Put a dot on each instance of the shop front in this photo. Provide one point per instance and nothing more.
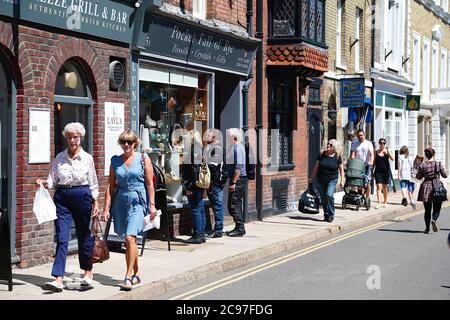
(55, 58)
(188, 77)
(391, 117)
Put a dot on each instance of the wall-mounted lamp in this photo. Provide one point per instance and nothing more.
(138, 3)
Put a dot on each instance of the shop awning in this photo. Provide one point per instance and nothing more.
(364, 114)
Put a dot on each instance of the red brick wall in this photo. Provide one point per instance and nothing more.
(298, 178)
(231, 11)
(40, 56)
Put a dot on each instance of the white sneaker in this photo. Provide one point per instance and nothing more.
(377, 206)
(386, 205)
(86, 281)
(54, 286)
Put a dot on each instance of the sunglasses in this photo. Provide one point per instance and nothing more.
(329, 145)
(124, 142)
(382, 142)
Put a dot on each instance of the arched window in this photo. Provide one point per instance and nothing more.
(73, 103)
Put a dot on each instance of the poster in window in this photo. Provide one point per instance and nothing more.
(114, 126)
(39, 136)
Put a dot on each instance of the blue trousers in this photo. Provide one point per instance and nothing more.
(215, 196)
(327, 189)
(76, 204)
(198, 211)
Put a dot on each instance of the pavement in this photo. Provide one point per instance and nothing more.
(164, 271)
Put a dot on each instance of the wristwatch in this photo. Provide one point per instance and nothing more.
(232, 183)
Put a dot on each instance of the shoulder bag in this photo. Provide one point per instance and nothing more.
(438, 192)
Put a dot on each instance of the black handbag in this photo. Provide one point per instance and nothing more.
(438, 192)
(309, 202)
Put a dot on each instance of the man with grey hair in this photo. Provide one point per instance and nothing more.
(237, 176)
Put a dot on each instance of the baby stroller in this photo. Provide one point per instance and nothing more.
(356, 184)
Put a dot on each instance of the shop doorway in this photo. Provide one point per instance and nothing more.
(72, 103)
(7, 143)
(314, 131)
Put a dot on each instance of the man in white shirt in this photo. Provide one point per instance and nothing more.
(363, 149)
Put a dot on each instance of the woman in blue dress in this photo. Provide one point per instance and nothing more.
(130, 176)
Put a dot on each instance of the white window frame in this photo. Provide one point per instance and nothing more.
(416, 61)
(359, 16)
(339, 37)
(443, 69)
(426, 69)
(199, 9)
(394, 31)
(434, 65)
(445, 5)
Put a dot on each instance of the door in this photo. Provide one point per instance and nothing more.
(314, 136)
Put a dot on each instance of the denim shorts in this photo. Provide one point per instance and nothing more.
(406, 184)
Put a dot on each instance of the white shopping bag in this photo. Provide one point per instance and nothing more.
(155, 223)
(43, 207)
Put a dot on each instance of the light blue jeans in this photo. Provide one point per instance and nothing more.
(327, 189)
(198, 211)
(215, 196)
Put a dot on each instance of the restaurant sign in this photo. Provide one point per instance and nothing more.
(352, 92)
(102, 18)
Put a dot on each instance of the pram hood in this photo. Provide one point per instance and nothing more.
(356, 168)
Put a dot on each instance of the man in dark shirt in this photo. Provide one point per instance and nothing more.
(238, 181)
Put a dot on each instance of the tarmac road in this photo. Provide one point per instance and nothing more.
(389, 260)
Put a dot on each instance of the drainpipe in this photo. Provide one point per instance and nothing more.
(259, 105)
(372, 90)
(245, 88)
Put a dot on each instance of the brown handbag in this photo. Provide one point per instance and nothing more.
(100, 252)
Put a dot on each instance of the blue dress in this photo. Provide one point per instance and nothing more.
(131, 198)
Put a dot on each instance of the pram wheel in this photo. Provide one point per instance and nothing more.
(344, 204)
(367, 204)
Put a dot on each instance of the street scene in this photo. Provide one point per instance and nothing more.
(224, 150)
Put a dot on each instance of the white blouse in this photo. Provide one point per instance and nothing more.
(78, 171)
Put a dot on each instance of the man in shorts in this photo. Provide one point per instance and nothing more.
(363, 149)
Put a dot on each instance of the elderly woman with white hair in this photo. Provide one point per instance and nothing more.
(73, 176)
(327, 167)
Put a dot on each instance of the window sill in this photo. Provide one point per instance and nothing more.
(341, 67)
(281, 167)
(359, 71)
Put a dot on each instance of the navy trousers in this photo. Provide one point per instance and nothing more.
(74, 203)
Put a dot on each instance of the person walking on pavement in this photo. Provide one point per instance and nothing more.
(382, 171)
(73, 175)
(327, 167)
(191, 170)
(363, 149)
(237, 176)
(214, 159)
(414, 181)
(130, 182)
(431, 171)
(405, 166)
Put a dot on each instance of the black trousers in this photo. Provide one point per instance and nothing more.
(235, 203)
(436, 207)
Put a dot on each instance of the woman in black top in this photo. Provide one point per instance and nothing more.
(327, 167)
(382, 171)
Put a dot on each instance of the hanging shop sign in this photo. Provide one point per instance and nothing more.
(352, 92)
(107, 19)
(164, 37)
(412, 102)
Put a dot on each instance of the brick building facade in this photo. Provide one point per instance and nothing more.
(348, 37)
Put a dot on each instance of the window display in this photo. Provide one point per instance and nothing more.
(164, 108)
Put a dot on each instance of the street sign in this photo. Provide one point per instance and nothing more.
(352, 92)
(412, 102)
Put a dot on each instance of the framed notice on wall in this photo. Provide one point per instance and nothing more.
(39, 136)
(114, 126)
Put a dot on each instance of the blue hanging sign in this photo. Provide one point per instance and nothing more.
(352, 92)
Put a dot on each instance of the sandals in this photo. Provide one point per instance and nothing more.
(127, 284)
(135, 279)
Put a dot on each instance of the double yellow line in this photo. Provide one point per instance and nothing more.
(278, 261)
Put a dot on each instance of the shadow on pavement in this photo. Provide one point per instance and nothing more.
(31, 279)
(304, 218)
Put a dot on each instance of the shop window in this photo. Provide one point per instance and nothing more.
(282, 97)
(171, 100)
(73, 103)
